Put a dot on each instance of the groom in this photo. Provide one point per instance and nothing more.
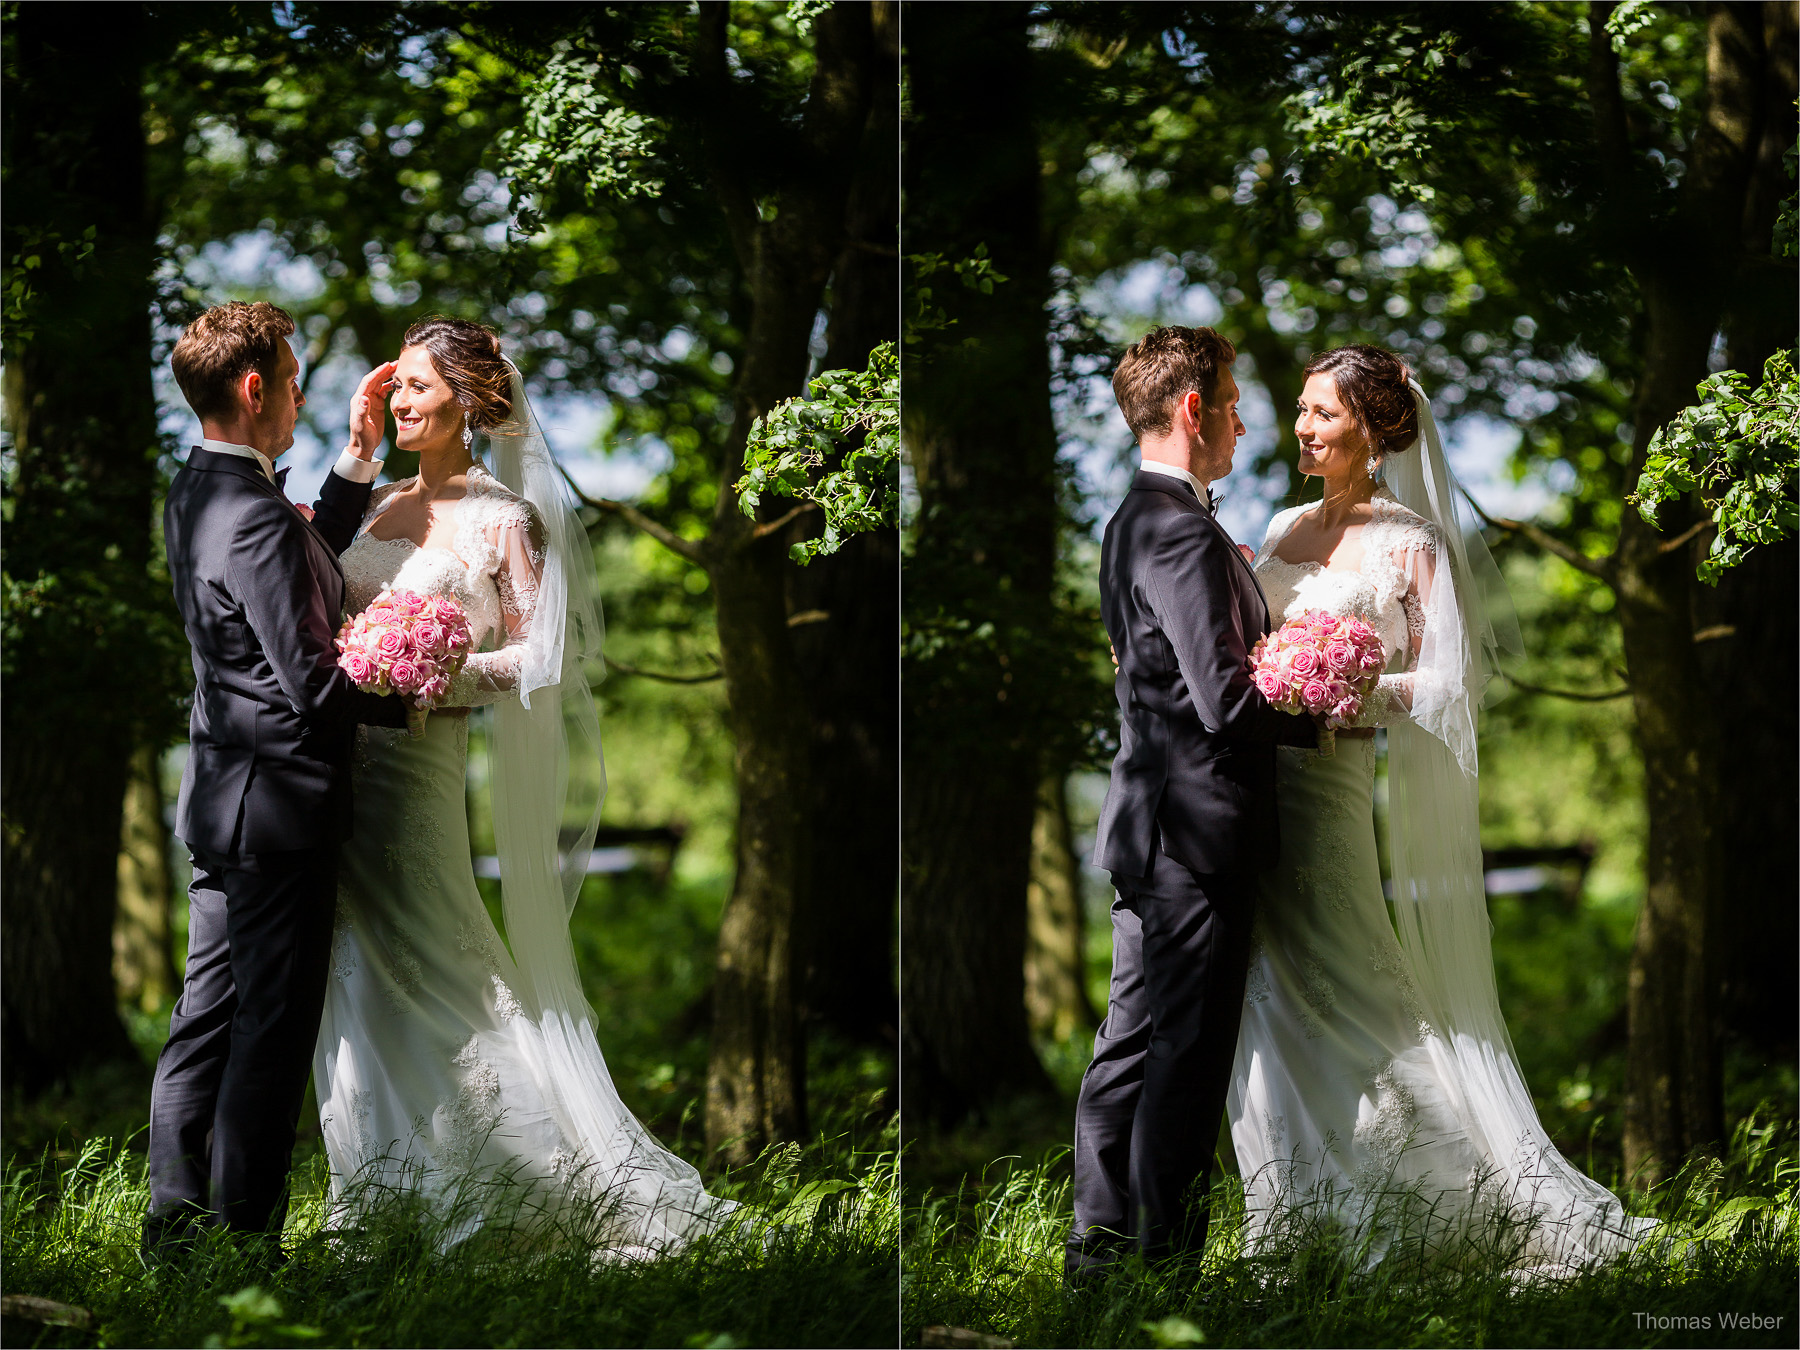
(1189, 817)
(265, 797)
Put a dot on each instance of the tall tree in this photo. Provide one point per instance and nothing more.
(81, 601)
(980, 570)
(765, 132)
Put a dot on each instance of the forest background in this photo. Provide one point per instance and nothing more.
(1565, 217)
(675, 216)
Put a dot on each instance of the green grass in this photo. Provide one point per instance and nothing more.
(818, 1270)
(814, 1265)
(987, 1257)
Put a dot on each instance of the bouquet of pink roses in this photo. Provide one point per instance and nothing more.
(407, 644)
(1319, 663)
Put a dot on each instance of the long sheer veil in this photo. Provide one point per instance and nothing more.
(1440, 903)
(549, 780)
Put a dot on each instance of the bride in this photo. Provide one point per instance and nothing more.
(449, 1067)
(1375, 1088)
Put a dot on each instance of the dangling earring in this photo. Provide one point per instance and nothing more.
(1374, 469)
(468, 436)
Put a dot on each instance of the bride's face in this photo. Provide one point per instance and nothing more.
(1331, 444)
(426, 413)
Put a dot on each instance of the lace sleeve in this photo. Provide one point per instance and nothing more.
(1392, 698)
(516, 552)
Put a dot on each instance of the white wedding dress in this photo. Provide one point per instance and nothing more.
(1357, 1102)
(434, 1078)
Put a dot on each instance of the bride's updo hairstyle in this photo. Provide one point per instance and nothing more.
(468, 356)
(1372, 383)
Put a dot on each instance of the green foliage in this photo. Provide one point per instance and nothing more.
(572, 124)
(814, 1265)
(1628, 18)
(1369, 108)
(19, 297)
(1740, 450)
(926, 315)
(989, 1258)
(851, 424)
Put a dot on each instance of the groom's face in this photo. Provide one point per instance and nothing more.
(1217, 428)
(274, 403)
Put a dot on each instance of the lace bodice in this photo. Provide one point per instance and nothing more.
(1387, 591)
(492, 571)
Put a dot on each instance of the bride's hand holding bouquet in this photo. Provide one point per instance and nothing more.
(407, 644)
(1320, 664)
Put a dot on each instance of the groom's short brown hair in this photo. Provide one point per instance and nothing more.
(222, 346)
(1162, 366)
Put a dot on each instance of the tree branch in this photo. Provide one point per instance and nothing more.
(1669, 546)
(1517, 683)
(663, 535)
(624, 669)
(1595, 567)
(768, 528)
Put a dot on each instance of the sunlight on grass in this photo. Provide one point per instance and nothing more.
(988, 1257)
(809, 1260)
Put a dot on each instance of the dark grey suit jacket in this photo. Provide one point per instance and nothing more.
(261, 594)
(1196, 761)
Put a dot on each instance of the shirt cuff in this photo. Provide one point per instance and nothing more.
(356, 470)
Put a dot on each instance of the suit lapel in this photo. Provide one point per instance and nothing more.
(1249, 571)
(207, 461)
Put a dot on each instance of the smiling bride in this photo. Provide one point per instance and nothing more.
(451, 1066)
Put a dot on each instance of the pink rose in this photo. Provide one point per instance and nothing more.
(1268, 684)
(1305, 662)
(391, 645)
(357, 665)
(434, 688)
(1340, 656)
(1371, 660)
(430, 636)
(1316, 694)
(405, 674)
(460, 639)
(1347, 708)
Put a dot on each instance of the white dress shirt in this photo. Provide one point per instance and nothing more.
(348, 465)
(1174, 471)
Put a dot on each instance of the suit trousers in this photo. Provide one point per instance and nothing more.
(1147, 1120)
(232, 1078)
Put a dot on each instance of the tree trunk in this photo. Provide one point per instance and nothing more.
(1674, 1074)
(81, 413)
(1674, 1087)
(983, 449)
(1056, 999)
(143, 960)
(846, 659)
(756, 1089)
(1755, 609)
